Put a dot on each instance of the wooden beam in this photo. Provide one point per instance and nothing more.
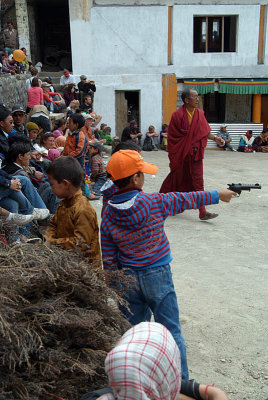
(169, 96)
(256, 117)
(170, 20)
(261, 34)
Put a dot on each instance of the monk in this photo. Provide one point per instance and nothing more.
(188, 132)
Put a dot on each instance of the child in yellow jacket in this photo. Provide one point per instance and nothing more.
(74, 224)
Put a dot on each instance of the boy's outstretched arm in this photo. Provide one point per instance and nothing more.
(177, 202)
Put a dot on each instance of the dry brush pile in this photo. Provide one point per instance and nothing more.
(58, 319)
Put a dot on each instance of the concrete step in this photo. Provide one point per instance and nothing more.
(50, 73)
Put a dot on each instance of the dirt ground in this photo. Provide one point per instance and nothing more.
(220, 274)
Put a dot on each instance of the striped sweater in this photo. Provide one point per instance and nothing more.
(132, 227)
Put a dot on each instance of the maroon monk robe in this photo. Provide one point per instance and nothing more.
(186, 146)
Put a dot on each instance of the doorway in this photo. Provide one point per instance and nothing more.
(214, 106)
(127, 108)
(51, 34)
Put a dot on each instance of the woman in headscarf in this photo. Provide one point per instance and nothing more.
(245, 144)
(53, 154)
(145, 364)
(260, 143)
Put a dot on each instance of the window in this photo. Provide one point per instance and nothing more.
(215, 34)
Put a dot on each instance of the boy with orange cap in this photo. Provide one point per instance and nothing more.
(133, 238)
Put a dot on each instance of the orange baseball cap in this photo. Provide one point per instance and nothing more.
(125, 163)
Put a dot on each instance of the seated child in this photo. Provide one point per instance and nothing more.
(133, 238)
(154, 137)
(76, 143)
(163, 137)
(33, 130)
(75, 221)
(98, 172)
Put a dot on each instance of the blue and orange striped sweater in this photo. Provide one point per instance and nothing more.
(132, 227)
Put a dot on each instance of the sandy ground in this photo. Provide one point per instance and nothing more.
(220, 274)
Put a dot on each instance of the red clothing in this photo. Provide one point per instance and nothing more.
(35, 96)
(186, 146)
(47, 98)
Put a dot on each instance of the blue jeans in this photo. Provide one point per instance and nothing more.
(154, 290)
(48, 196)
(99, 182)
(15, 201)
(30, 192)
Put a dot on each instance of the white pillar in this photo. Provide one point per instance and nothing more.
(23, 25)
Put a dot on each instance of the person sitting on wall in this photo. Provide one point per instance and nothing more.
(10, 64)
(70, 93)
(25, 64)
(48, 79)
(260, 143)
(4, 68)
(131, 132)
(57, 104)
(245, 144)
(87, 105)
(66, 79)
(34, 73)
(86, 87)
(224, 134)
(35, 95)
(73, 106)
(40, 116)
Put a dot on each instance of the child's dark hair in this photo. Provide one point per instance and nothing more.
(78, 119)
(128, 145)
(102, 126)
(107, 130)
(59, 122)
(66, 168)
(35, 82)
(164, 126)
(45, 137)
(4, 112)
(18, 137)
(16, 149)
(121, 183)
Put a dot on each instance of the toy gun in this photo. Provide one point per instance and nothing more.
(238, 187)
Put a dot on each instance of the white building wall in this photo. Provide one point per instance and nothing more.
(241, 64)
(125, 48)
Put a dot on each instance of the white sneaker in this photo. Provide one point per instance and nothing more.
(40, 213)
(19, 219)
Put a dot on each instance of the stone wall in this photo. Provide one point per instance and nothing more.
(13, 89)
(238, 108)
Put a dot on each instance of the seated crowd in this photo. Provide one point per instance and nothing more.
(30, 142)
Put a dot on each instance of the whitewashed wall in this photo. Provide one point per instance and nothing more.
(242, 63)
(125, 48)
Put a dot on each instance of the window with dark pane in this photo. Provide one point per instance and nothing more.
(214, 34)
